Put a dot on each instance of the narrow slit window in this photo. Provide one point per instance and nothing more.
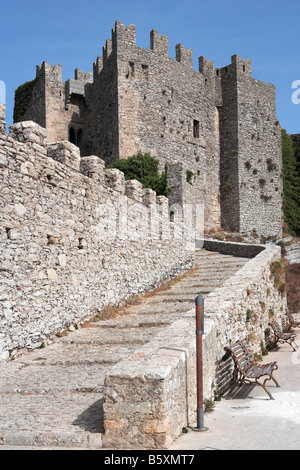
(145, 70)
(196, 129)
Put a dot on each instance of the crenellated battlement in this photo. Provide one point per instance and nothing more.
(49, 72)
(158, 43)
(185, 56)
(123, 41)
(123, 37)
(237, 66)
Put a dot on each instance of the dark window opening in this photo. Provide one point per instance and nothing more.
(131, 65)
(76, 136)
(8, 232)
(145, 70)
(72, 136)
(79, 137)
(196, 129)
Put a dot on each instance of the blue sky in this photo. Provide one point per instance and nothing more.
(72, 33)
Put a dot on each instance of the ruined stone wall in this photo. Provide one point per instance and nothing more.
(74, 238)
(148, 401)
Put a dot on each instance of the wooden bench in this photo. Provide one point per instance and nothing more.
(250, 370)
(293, 323)
(281, 337)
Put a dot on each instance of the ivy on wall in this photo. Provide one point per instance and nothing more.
(22, 97)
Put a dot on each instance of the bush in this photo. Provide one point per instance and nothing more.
(145, 169)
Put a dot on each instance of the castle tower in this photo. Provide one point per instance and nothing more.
(61, 107)
(251, 159)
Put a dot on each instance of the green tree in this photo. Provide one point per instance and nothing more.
(145, 169)
(291, 185)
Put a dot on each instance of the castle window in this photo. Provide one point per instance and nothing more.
(131, 65)
(145, 70)
(72, 136)
(76, 136)
(196, 129)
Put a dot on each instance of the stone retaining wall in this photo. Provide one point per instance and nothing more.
(150, 399)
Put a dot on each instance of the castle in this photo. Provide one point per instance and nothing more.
(220, 124)
(76, 237)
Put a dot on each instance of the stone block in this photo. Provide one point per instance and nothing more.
(115, 179)
(28, 131)
(93, 167)
(66, 153)
(134, 190)
(149, 196)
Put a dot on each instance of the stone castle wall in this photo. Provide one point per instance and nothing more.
(74, 238)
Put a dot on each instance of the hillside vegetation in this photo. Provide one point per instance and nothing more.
(291, 182)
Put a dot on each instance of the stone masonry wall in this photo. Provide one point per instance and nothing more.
(74, 238)
(167, 108)
(149, 400)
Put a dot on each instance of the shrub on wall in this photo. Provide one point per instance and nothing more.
(143, 168)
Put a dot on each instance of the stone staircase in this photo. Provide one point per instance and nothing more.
(53, 397)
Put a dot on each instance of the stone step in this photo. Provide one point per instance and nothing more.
(61, 419)
(110, 336)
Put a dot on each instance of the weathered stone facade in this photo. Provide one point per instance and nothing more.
(74, 238)
(220, 124)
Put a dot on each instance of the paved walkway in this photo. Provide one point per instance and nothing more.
(53, 397)
(250, 421)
